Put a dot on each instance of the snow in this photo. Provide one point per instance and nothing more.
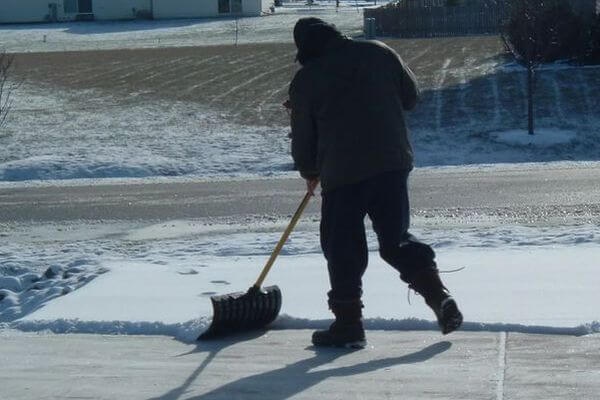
(162, 299)
(153, 139)
(183, 140)
(511, 280)
(542, 137)
(139, 279)
(180, 139)
(184, 32)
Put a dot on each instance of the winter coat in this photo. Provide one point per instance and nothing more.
(347, 113)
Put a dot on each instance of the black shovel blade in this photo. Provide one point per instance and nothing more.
(243, 311)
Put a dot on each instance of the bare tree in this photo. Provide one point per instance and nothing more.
(6, 87)
(532, 60)
(521, 39)
(541, 31)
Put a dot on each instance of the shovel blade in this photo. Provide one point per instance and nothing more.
(243, 311)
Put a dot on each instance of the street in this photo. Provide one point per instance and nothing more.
(531, 194)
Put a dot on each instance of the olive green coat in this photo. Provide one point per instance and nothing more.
(347, 114)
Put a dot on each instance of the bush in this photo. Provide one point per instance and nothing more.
(541, 31)
(592, 54)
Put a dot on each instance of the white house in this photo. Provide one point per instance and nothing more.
(208, 8)
(14, 11)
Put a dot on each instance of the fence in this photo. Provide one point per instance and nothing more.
(481, 17)
(438, 21)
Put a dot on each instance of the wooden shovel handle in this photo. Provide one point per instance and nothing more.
(283, 239)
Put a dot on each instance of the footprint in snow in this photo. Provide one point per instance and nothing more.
(188, 272)
(207, 294)
(221, 282)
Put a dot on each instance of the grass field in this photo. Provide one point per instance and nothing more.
(217, 109)
(461, 85)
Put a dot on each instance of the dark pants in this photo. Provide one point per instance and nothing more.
(384, 198)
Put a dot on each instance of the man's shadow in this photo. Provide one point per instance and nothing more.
(285, 382)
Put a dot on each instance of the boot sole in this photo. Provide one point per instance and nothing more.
(358, 344)
(451, 318)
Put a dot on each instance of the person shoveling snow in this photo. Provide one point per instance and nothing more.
(349, 135)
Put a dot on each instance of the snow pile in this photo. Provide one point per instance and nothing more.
(22, 294)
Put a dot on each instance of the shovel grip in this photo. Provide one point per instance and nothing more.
(283, 239)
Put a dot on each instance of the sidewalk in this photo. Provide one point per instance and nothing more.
(281, 365)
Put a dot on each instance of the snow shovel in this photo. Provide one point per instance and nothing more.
(256, 308)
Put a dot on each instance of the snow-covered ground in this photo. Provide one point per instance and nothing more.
(168, 33)
(157, 279)
(154, 139)
(137, 278)
(103, 138)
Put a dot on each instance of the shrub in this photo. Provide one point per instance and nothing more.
(542, 31)
(592, 54)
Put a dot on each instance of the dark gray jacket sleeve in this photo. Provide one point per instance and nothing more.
(304, 132)
(407, 84)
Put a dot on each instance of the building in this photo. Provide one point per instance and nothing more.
(19, 11)
(208, 8)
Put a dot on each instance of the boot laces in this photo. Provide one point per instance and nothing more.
(411, 288)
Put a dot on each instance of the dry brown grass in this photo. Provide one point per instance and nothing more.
(248, 82)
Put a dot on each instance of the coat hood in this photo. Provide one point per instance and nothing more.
(314, 38)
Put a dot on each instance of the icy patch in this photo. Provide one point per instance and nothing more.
(543, 137)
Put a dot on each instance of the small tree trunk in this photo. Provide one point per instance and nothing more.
(530, 72)
(6, 89)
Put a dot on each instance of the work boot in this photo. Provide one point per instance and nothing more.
(428, 284)
(347, 329)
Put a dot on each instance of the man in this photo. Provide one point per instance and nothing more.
(349, 134)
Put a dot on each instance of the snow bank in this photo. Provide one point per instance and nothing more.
(23, 294)
(77, 167)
